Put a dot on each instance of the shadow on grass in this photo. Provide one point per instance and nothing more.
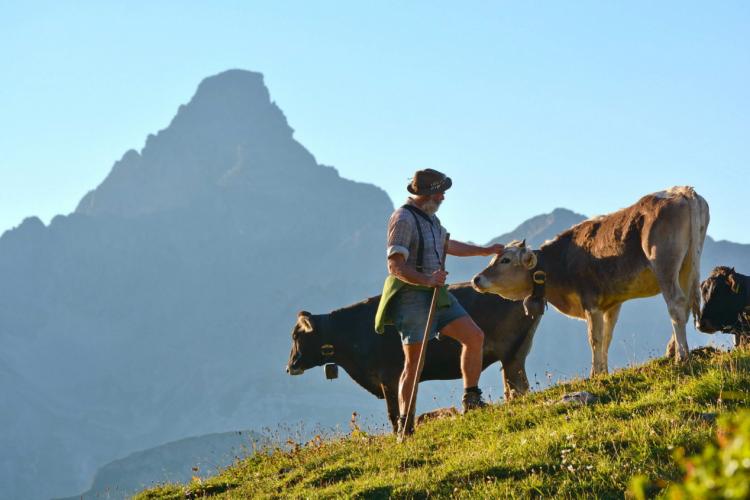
(375, 493)
(334, 475)
(495, 472)
(211, 489)
(412, 463)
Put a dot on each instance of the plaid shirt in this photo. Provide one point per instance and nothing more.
(404, 239)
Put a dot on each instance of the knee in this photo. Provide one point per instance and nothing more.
(475, 336)
(677, 303)
(678, 311)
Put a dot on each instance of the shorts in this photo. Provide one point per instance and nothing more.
(409, 310)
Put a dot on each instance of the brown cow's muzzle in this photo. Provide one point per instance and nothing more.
(479, 283)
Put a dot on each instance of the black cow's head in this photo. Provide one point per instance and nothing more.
(723, 295)
(306, 345)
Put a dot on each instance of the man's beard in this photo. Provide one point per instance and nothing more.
(430, 207)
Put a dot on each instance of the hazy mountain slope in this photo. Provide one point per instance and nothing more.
(162, 307)
(178, 461)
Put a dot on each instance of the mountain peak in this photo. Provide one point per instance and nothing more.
(542, 227)
(229, 133)
(232, 78)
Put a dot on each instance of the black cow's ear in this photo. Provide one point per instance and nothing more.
(304, 322)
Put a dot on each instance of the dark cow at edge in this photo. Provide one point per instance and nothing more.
(375, 361)
(726, 304)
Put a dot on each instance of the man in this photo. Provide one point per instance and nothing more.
(414, 253)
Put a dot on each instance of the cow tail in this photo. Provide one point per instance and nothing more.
(699, 218)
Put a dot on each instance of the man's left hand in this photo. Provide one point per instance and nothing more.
(496, 248)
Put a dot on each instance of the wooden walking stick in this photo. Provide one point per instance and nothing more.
(420, 364)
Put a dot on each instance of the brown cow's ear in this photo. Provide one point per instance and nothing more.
(733, 283)
(304, 322)
(528, 259)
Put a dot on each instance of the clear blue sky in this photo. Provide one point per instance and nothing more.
(527, 105)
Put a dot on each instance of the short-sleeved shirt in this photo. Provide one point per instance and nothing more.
(404, 239)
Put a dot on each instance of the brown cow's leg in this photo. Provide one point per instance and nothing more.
(671, 347)
(610, 319)
(595, 323)
(667, 248)
(678, 307)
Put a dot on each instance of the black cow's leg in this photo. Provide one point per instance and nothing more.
(515, 381)
(390, 393)
(741, 341)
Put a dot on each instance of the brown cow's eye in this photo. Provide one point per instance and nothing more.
(504, 260)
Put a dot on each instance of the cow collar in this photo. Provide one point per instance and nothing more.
(327, 349)
(539, 288)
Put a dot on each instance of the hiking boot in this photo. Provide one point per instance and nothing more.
(400, 434)
(472, 400)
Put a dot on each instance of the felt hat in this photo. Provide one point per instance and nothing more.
(429, 181)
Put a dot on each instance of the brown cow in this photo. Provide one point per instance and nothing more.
(588, 271)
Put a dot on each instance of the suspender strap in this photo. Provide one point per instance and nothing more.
(420, 247)
(415, 211)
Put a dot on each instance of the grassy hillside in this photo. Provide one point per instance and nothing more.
(645, 419)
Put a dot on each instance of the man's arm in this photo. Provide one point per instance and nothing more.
(398, 268)
(460, 249)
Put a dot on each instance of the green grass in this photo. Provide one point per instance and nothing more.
(645, 417)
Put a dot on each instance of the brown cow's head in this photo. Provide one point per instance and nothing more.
(306, 345)
(508, 273)
(723, 295)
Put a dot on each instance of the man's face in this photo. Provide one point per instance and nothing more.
(432, 203)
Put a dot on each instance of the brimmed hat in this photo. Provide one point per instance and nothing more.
(429, 181)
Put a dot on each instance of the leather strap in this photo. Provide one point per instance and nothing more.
(420, 248)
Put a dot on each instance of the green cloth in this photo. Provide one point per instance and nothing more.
(391, 286)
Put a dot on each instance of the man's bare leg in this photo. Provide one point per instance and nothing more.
(471, 338)
(408, 376)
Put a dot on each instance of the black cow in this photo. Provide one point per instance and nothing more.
(347, 337)
(726, 304)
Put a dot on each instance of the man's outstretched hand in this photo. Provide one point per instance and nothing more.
(496, 248)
